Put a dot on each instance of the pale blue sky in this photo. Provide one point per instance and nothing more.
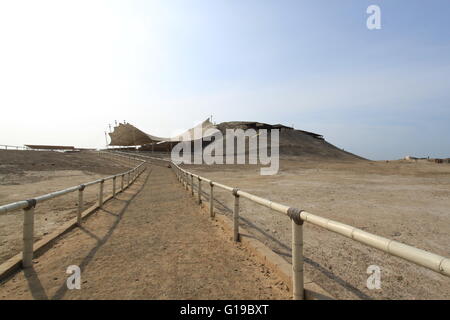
(68, 68)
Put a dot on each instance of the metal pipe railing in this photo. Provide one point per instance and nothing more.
(9, 147)
(28, 207)
(420, 257)
(236, 215)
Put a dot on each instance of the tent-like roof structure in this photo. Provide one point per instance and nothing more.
(126, 134)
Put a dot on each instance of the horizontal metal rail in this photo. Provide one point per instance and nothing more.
(127, 155)
(24, 203)
(420, 257)
(9, 147)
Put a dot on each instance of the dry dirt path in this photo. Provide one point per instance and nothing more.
(152, 242)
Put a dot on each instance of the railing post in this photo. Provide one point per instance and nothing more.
(199, 200)
(114, 186)
(186, 181)
(192, 185)
(297, 254)
(211, 199)
(28, 234)
(100, 194)
(80, 204)
(236, 215)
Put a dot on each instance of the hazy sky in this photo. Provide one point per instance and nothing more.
(69, 68)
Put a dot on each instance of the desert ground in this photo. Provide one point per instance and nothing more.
(401, 200)
(405, 201)
(27, 174)
(138, 246)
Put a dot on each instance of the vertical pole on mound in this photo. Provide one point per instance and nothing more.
(192, 185)
(211, 199)
(114, 186)
(236, 215)
(80, 204)
(28, 234)
(297, 254)
(100, 194)
(199, 200)
(121, 182)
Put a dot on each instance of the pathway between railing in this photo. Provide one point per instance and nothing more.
(28, 206)
(420, 257)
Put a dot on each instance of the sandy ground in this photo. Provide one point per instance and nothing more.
(405, 201)
(26, 174)
(152, 242)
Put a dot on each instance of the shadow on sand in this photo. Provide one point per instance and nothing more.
(35, 285)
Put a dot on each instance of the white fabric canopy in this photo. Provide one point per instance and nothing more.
(128, 135)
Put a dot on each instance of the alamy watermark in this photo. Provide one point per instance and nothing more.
(238, 146)
(374, 280)
(374, 20)
(74, 280)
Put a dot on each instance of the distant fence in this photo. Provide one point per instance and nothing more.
(9, 147)
(28, 206)
(43, 148)
(34, 148)
(420, 257)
